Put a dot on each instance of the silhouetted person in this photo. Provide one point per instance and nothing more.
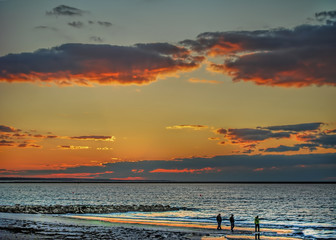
(232, 222)
(219, 221)
(256, 224)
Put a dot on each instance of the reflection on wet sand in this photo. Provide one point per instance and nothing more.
(240, 232)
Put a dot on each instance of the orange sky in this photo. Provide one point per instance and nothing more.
(82, 91)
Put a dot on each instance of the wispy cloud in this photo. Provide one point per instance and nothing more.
(192, 127)
(71, 147)
(46, 28)
(64, 10)
(12, 137)
(76, 24)
(104, 23)
(95, 138)
(186, 170)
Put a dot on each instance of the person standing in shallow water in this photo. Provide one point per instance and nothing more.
(219, 221)
(256, 224)
(232, 222)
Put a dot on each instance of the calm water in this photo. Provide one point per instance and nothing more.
(309, 209)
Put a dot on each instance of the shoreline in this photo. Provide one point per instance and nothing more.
(55, 226)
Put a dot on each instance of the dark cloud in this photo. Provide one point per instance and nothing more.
(5, 143)
(26, 145)
(328, 16)
(297, 57)
(308, 167)
(84, 64)
(221, 131)
(105, 24)
(63, 10)
(283, 148)
(326, 141)
(4, 128)
(243, 135)
(164, 48)
(76, 24)
(297, 127)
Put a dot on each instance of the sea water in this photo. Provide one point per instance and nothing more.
(308, 209)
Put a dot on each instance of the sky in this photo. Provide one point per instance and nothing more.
(216, 90)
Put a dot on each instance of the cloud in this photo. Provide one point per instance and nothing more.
(310, 133)
(76, 24)
(26, 145)
(245, 135)
(4, 128)
(46, 28)
(13, 137)
(71, 175)
(86, 64)
(5, 143)
(298, 57)
(71, 147)
(297, 127)
(104, 24)
(185, 170)
(95, 138)
(129, 179)
(283, 148)
(296, 147)
(63, 10)
(318, 167)
(192, 127)
(328, 16)
(324, 139)
(258, 169)
(327, 141)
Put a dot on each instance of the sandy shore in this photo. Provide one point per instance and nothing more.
(42, 226)
(28, 226)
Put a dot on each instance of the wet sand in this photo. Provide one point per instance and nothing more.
(41, 226)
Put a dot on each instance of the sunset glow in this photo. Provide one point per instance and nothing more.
(223, 91)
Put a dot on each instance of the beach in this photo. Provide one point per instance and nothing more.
(43, 226)
(165, 211)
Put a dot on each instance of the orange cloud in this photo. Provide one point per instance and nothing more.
(129, 178)
(258, 169)
(70, 147)
(87, 64)
(295, 57)
(193, 127)
(95, 138)
(186, 170)
(69, 175)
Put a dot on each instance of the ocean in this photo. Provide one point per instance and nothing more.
(308, 209)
